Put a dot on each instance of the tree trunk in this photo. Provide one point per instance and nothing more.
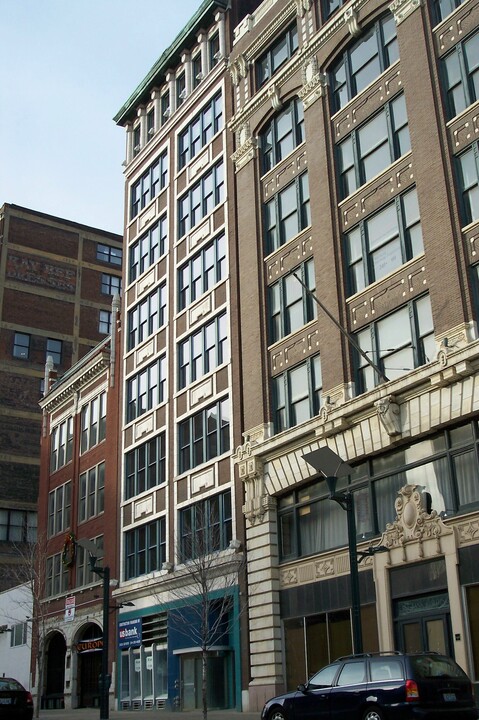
(204, 683)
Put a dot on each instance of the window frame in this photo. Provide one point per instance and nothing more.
(148, 185)
(369, 339)
(469, 208)
(147, 316)
(93, 422)
(200, 273)
(147, 386)
(145, 466)
(110, 284)
(265, 67)
(195, 204)
(276, 219)
(285, 399)
(280, 304)
(59, 509)
(347, 60)
(151, 547)
(109, 254)
(364, 258)
(273, 134)
(198, 440)
(56, 576)
(464, 82)
(200, 130)
(61, 444)
(198, 355)
(201, 520)
(18, 351)
(354, 169)
(91, 492)
(148, 249)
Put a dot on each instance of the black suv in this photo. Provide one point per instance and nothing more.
(380, 686)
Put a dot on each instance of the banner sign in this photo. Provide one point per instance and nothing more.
(69, 608)
(86, 646)
(129, 633)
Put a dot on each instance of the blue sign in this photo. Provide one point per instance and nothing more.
(129, 633)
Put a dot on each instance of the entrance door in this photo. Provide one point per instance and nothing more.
(190, 683)
(423, 624)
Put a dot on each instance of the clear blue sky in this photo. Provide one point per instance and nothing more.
(66, 68)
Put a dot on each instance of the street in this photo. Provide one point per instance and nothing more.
(94, 714)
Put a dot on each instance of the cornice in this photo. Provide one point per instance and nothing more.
(77, 382)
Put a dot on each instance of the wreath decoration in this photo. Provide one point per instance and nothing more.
(69, 550)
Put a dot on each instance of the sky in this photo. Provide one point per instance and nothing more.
(66, 68)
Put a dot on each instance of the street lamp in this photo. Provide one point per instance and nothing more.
(331, 467)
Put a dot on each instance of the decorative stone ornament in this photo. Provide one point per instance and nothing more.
(351, 20)
(238, 69)
(401, 9)
(302, 7)
(389, 414)
(69, 550)
(273, 94)
(247, 147)
(314, 82)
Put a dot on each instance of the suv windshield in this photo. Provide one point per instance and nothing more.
(430, 666)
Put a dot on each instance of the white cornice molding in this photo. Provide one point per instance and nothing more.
(78, 381)
(401, 9)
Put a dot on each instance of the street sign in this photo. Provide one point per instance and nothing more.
(69, 608)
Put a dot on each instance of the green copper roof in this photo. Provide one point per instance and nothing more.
(168, 59)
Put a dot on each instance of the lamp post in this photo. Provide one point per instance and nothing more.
(331, 467)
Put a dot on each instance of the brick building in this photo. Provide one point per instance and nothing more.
(78, 502)
(57, 279)
(356, 177)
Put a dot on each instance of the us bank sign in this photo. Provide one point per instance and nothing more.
(129, 633)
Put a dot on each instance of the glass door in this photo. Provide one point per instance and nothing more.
(423, 624)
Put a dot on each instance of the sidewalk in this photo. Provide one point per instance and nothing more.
(94, 714)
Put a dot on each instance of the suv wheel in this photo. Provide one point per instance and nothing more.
(373, 713)
(277, 715)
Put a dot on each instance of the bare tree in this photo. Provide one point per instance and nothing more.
(205, 583)
(29, 570)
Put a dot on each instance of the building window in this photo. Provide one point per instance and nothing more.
(180, 89)
(282, 134)
(93, 422)
(297, 394)
(287, 213)
(468, 171)
(442, 8)
(149, 185)
(145, 548)
(146, 389)
(149, 248)
(18, 526)
(61, 444)
(147, 316)
(461, 75)
(290, 306)
(56, 581)
(201, 199)
(196, 73)
(385, 241)
(91, 493)
(364, 61)
(203, 351)
(19, 634)
(206, 527)
(309, 523)
(110, 284)
(108, 254)
(150, 123)
(59, 509)
(276, 55)
(214, 49)
(104, 322)
(373, 146)
(200, 130)
(136, 140)
(145, 466)
(54, 350)
(204, 435)
(206, 268)
(21, 346)
(165, 107)
(84, 573)
(397, 343)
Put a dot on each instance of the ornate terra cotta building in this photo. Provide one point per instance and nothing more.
(357, 205)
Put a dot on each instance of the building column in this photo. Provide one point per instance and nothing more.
(263, 582)
(220, 19)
